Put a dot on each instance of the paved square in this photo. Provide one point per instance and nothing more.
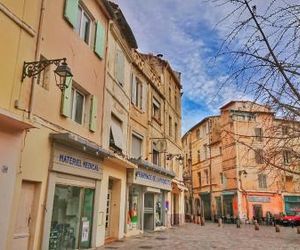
(210, 236)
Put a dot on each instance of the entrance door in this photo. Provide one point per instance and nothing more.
(149, 211)
(23, 224)
(72, 218)
(257, 212)
(108, 212)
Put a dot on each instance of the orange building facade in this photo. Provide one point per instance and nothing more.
(226, 158)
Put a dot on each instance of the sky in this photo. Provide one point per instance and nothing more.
(188, 35)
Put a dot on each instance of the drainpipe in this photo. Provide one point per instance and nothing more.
(36, 55)
(210, 172)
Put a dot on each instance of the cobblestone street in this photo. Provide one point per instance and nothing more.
(210, 236)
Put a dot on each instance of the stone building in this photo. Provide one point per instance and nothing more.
(230, 176)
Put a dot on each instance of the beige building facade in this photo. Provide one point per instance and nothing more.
(230, 175)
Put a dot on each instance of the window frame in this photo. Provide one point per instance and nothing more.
(156, 107)
(139, 137)
(74, 102)
(262, 181)
(84, 12)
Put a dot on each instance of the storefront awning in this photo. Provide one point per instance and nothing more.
(153, 167)
(80, 144)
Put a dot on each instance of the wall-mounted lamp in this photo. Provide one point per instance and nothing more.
(63, 71)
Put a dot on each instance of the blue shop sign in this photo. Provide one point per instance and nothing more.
(147, 178)
(76, 162)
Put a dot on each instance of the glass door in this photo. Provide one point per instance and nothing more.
(72, 214)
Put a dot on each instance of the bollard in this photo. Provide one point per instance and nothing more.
(238, 223)
(256, 226)
(298, 230)
(220, 222)
(277, 229)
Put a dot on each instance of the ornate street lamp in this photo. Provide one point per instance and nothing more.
(63, 71)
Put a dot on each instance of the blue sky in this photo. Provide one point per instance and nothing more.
(185, 32)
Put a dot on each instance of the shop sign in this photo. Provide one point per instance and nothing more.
(292, 198)
(77, 163)
(148, 178)
(262, 199)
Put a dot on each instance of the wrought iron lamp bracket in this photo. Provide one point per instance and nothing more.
(31, 69)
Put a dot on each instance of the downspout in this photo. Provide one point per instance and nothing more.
(210, 172)
(36, 55)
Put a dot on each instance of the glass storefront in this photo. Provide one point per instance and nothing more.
(159, 210)
(72, 217)
(134, 208)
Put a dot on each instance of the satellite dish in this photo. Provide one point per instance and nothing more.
(161, 145)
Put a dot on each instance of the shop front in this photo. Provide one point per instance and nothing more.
(73, 188)
(291, 204)
(148, 203)
(230, 207)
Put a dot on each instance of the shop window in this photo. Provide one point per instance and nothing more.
(156, 109)
(116, 134)
(259, 157)
(136, 146)
(134, 208)
(72, 217)
(287, 157)
(159, 210)
(262, 181)
(155, 155)
(83, 26)
(258, 134)
(77, 107)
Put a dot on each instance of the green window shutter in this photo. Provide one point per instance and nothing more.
(71, 9)
(100, 39)
(93, 114)
(66, 100)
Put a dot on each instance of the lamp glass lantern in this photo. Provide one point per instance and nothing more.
(64, 73)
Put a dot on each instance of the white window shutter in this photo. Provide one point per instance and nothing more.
(144, 97)
(133, 89)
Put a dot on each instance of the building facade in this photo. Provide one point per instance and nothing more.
(230, 168)
(84, 157)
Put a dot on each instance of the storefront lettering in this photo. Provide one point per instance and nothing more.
(264, 199)
(70, 160)
(152, 178)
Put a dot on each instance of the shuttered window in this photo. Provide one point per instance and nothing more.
(136, 146)
(262, 181)
(259, 156)
(93, 114)
(66, 102)
(258, 134)
(119, 66)
(100, 39)
(116, 133)
(71, 11)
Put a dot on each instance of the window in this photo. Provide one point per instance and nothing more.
(116, 134)
(156, 109)
(176, 131)
(199, 155)
(137, 92)
(198, 133)
(259, 158)
(170, 95)
(199, 179)
(221, 178)
(262, 181)
(175, 100)
(170, 126)
(220, 150)
(206, 176)
(287, 157)
(155, 155)
(136, 146)
(77, 107)
(83, 26)
(206, 151)
(258, 134)
(285, 130)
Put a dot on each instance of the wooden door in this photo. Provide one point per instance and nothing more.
(22, 231)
